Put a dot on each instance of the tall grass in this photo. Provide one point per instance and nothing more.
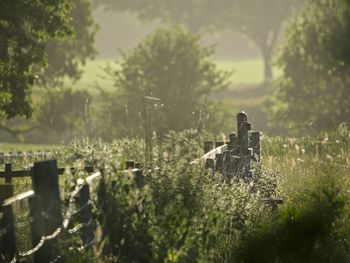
(185, 213)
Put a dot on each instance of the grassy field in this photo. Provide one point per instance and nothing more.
(17, 147)
(246, 72)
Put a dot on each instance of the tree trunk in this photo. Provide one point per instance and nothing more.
(266, 54)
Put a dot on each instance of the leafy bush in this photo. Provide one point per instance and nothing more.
(169, 65)
(313, 91)
(310, 227)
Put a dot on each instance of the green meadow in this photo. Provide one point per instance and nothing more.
(245, 72)
(24, 147)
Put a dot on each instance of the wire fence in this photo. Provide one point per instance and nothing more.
(47, 227)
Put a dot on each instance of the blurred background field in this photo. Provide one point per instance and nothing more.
(26, 147)
(146, 81)
(245, 73)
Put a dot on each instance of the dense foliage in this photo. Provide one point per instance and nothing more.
(66, 55)
(43, 44)
(178, 211)
(161, 85)
(184, 213)
(181, 212)
(313, 92)
(25, 26)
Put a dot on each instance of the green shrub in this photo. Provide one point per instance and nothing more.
(309, 227)
(170, 65)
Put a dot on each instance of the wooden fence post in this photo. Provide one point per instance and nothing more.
(233, 141)
(86, 217)
(102, 200)
(45, 185)
(208, 146)
(227, 167)
(37, 227)
(219, 164)
(138, 177)
(243, 128)
(254, 143)
(8, 175)
(7, 226)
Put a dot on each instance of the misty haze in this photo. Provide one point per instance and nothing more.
(175, 131)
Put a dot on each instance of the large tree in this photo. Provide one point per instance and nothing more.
(260, 20)
(66, 55)
(315, 88)
(25, 28)
(41, 43)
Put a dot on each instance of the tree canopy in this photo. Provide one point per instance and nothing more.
(65, 55)
(260, 20)
(162, 83)
(25, 27)
(315, 88)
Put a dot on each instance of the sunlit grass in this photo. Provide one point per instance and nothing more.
(249, 71)
(246, 72)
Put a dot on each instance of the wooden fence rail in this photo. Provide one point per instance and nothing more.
(8, 174)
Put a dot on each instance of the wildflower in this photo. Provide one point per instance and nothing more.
(329, 157)
(297, 148)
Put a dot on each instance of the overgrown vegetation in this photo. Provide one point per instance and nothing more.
(161, 85)
(184, 213)
(179, 211)
(313, 91)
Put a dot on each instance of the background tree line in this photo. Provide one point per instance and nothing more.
(44, 43)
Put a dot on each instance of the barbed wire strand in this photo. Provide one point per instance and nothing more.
(80, 226)
(42, 241)
(68, 216)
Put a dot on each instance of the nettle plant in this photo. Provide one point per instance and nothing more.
(183, 212)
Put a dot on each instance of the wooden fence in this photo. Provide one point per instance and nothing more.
(234, 158)
(48, 225)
